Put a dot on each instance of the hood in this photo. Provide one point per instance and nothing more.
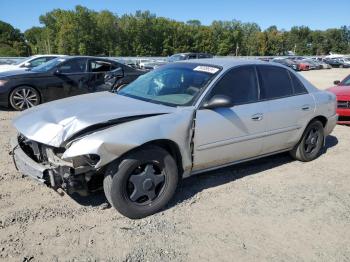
(340, 90)
(4, 68)
(55, 122)
(16, 73)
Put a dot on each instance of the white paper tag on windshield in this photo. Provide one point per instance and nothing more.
(206, 69)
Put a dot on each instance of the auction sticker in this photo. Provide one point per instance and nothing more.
(206, 69)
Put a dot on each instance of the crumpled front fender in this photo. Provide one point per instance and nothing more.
(115, 141)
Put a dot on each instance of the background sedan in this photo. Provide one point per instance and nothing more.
(28, 63)
(62, 77)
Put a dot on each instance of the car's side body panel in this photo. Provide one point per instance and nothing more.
(286, 120)
(228, 134)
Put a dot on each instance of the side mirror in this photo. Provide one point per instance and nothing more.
(336, 82)
(57, 72)
(26, 65)
(218, 101)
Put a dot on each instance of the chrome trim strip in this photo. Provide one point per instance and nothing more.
(245, 138)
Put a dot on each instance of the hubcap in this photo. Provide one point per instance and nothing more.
(312, 140)
(25, 98)
(145, 184)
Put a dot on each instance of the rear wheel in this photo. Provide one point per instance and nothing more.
(309, 147)
(141, 183)
(24, 97)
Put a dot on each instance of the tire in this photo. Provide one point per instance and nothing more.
(311, 143)
(24, 97)
(141, 183)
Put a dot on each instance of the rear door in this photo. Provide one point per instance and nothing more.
(99, 79)
(226, 135)
(289, 107)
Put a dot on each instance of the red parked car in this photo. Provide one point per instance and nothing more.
(342, 91)
(303, 66)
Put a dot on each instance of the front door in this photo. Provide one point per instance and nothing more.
(227, 135)
(71, 78)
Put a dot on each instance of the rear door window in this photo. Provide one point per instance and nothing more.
(274, 82)
(97, 66)
(299, 88)
(240, 84)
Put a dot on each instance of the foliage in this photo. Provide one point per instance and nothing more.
(12, 42)
(86, 32)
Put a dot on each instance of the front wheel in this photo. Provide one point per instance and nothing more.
(141, 183)
(24, 97)
(309, 147)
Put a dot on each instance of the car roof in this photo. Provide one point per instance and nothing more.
(191, 53)
(229, 62)
(92, 57)
(48, 55)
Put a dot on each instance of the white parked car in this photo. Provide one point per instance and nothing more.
(345, 61)
(29, 62)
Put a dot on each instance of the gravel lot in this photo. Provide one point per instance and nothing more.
(273, 209)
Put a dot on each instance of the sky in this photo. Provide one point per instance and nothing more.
(317, 14)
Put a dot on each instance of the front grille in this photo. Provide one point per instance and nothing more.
(343, 104)
(344, 118)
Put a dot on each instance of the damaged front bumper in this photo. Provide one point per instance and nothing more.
(56, 175)
(25, 165)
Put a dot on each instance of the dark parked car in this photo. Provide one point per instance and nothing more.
(188, 56)
(63, 77)
(335, 62)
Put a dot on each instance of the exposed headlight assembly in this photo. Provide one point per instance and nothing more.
(85, 160)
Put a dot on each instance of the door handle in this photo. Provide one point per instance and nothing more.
(257, 117)
(306, 108)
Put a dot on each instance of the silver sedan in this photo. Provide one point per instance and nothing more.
(178, 120)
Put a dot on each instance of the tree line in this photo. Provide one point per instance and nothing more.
(86, 32)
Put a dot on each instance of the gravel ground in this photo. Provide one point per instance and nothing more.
(272, 209)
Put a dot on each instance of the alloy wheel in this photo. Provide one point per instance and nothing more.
(24, 98)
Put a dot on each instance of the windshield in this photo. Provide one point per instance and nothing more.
(177, 84)
(23, 60)
(48, 65)
(346, 81)
(175, 58)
